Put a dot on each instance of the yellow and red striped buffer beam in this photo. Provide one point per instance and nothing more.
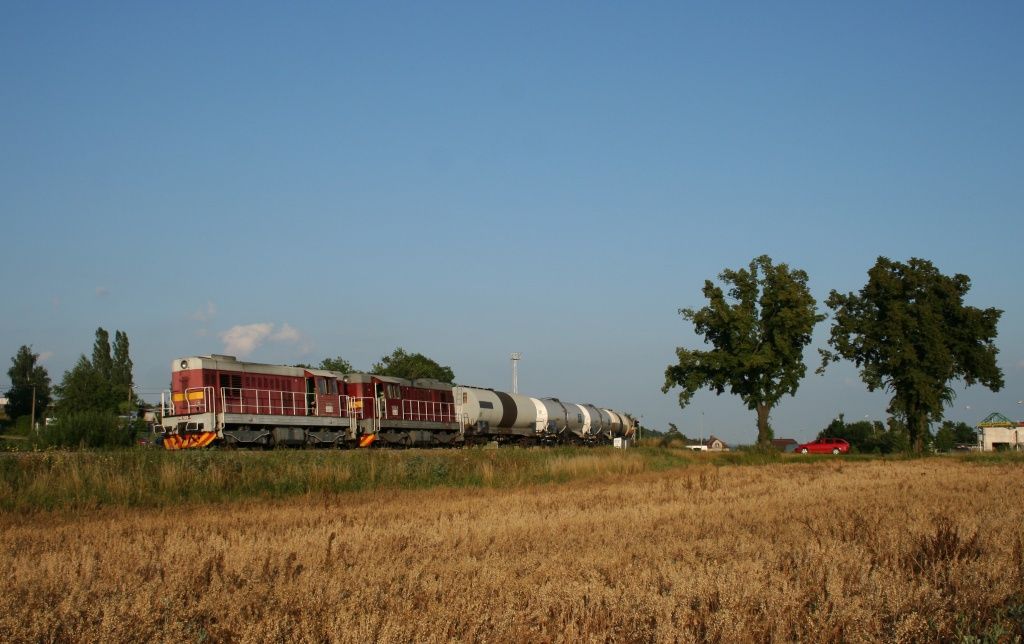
(189, 441)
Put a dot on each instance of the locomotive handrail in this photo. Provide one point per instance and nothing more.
(246, 400)
(166, 403)
(197, 399)
(358, 406)
(428, 410)
(241, 400)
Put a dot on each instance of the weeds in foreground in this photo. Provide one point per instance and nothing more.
(883, 550)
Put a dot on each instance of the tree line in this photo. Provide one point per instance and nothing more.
(907, 330)
(86, 403)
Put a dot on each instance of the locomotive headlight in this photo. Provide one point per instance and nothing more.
(184, 364)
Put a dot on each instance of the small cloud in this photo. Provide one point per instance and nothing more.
(45, 355)
(202, 333)
(102, 291)
(205, 314)
(1020, 365)
(243, 339)
(287, 333)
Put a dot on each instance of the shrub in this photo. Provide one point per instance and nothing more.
(86, 429)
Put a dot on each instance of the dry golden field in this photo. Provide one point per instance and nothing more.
(831, 550)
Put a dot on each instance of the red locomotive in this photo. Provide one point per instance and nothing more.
(219, 398)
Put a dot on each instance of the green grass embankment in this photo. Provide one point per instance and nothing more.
(53, 480)
(75, 480)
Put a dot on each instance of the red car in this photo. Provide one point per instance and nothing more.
(824, 446)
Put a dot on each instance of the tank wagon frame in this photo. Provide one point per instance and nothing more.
(220, 400)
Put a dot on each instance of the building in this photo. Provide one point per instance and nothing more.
(717, 444)
(712, 444)
(997, 433)
(784, 444)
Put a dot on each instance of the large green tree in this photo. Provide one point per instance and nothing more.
(910, 333)
(26, 374)
(401, 364)
(758, 332)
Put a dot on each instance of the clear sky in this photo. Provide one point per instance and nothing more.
(471, 179)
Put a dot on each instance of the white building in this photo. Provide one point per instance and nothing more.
(997, 432)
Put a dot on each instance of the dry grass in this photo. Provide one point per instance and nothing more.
(826, 551)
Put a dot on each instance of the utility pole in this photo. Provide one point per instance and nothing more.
(33, 408)
(516, 357)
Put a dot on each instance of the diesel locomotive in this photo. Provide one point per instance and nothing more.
(220, 400)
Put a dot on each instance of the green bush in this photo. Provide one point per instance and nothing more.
(86, 429)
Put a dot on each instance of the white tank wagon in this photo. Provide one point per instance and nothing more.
(486, 414)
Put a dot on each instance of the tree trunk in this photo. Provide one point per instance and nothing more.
(922, 427)
(916, 427)
(764, 432)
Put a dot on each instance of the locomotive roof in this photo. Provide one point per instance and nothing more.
(421, 383)
(231, 363)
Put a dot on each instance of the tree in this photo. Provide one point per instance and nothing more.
(866, 436)
(25, 376)
(103, 365)
(401, 364)
(81, 389)
(673, 435)
(964, 434)
(121, 373)
(951, 434)
(909, 333)
(758, 339)
(945, 441)
(101, 359)
(338, 364)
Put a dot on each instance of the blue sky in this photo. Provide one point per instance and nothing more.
(301, 180)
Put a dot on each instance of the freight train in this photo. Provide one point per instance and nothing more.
(220, 400)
